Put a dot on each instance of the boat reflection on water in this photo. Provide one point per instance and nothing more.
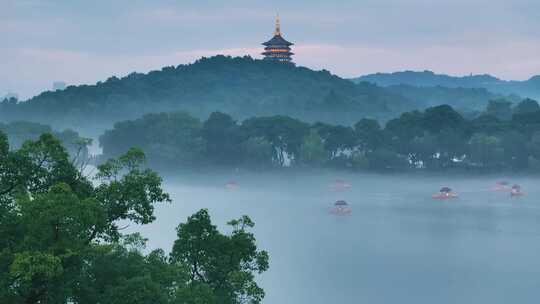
(340, 185)
(231, 185)
(341, 208)
(502, 186)
(444, 194)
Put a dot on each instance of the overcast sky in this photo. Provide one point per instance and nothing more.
(80, 41)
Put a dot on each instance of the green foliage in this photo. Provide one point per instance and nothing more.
(527, 106)
(173, 138)
(223, 263)
(336, 138)
(438, 138)
(118, 274)
(60, 243)
(500, 108)
(369, 134)
(485, 151)
(382, 159)
(52, 214)
(285, 134)
(312, 150)
(359, 161)
(223, 139)
(534, 164)
(514, 145)
(70, 219)
(243, 87)
(20, 131)
(32, 274)
(534, 145)
(442, 117)
(29, 266)
(258, 152)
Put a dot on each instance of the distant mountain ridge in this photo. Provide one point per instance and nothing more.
(528, 88)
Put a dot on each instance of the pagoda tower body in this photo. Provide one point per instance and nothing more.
(277, 48)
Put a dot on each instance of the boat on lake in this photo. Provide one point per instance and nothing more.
(444, 194)
(516, 191)
(341, 207)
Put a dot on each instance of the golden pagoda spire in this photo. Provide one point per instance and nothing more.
(278, 30)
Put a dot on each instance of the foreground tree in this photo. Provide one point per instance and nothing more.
(52, 214)
(60, 241)
(221, 263)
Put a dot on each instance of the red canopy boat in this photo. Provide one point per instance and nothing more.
(444, 194)
(341, 208)
(516, 191)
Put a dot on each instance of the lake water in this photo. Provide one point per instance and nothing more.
(397, 246)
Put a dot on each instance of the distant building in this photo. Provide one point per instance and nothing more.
(58, 85)
(277, 48)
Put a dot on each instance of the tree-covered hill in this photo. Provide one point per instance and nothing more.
(464, 99)
(242, 87)
(528, 88)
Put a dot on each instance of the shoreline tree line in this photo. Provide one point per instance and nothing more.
(503, 137)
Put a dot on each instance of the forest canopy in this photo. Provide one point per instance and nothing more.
(242, 87)
(440, 138)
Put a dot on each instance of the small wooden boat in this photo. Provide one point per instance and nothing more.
(516, 191)
(341, 208)
(444, 194)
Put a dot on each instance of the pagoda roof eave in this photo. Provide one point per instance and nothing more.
(277, 40)
(281, 53)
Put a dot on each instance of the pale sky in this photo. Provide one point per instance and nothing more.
(80, 41)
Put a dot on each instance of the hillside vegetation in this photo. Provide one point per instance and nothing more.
(242, 87)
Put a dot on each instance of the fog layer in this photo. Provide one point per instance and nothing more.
(397, 246)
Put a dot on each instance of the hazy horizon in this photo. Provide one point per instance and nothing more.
(250, 180)
(82, 43)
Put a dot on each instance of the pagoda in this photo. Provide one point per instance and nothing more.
(277, 48)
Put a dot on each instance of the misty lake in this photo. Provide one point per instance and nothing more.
(398, 245)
